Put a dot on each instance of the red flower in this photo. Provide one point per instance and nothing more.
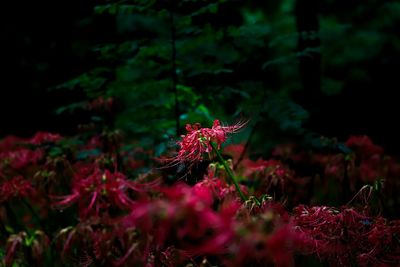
(21, 158)
(186, 218)
(280, 245)
(13, 243)
(9, 143)
(370, 169)
(344, 235)
(37, 243)
(99, 240)
(219, 188)
(44, 137)
(197, 142)
(261, 238)
(16, 187)
(235, 151)
(100, 190)
(364, 145)
(268, 174)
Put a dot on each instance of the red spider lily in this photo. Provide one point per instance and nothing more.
(10, 143)
(20, 158)
(371, 169)
(36, 243)
(100, 190)
(333, 165)
(262, 239)
(364, 145)
(172, 257)
(197, 142)
(281, 245)
(235, 151)
(219, 188)
(185, 221)
(344, 236)
(367, 164)
(268, 174)
(16, 187)
(44, 137)
(100, 242)
(71, 234)
(224, 231)
(216, 186)
(13, 243)
(272, 167)
(184, 218)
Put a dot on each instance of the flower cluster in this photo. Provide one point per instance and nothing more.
(16, 187)
(197, 142)
(85, 201)
(345, 236)
(97, 191)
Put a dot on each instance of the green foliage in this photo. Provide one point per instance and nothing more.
(245, 65)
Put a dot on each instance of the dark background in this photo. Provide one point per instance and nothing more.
(46, 43)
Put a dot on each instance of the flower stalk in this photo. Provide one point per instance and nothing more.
(228, 170)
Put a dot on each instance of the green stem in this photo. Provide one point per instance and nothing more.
(228, 170)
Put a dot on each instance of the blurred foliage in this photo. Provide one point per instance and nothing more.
(187, 61)
(224, 68)
(232, 60)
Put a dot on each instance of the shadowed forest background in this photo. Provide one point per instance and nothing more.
(199, 133)
(337, 60)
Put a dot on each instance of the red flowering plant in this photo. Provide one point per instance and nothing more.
(16, 187)
(344, 237)
(366, 164)
(117, 212)
(183, 225)
(338, 167)
(218, 187)
(20, 193)
(200, 142)
(183, 218)
(267, 176)
(263, 234)
(101, 242)
(34, 245)
(98, 190)
(272, 177)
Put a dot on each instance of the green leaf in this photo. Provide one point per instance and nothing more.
(71, 108)
(203, 110)
(84, 154)
(9, 229)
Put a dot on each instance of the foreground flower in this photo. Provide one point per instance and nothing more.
(184, 218)
(206, 141)
(99, 191)
(198, 141)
